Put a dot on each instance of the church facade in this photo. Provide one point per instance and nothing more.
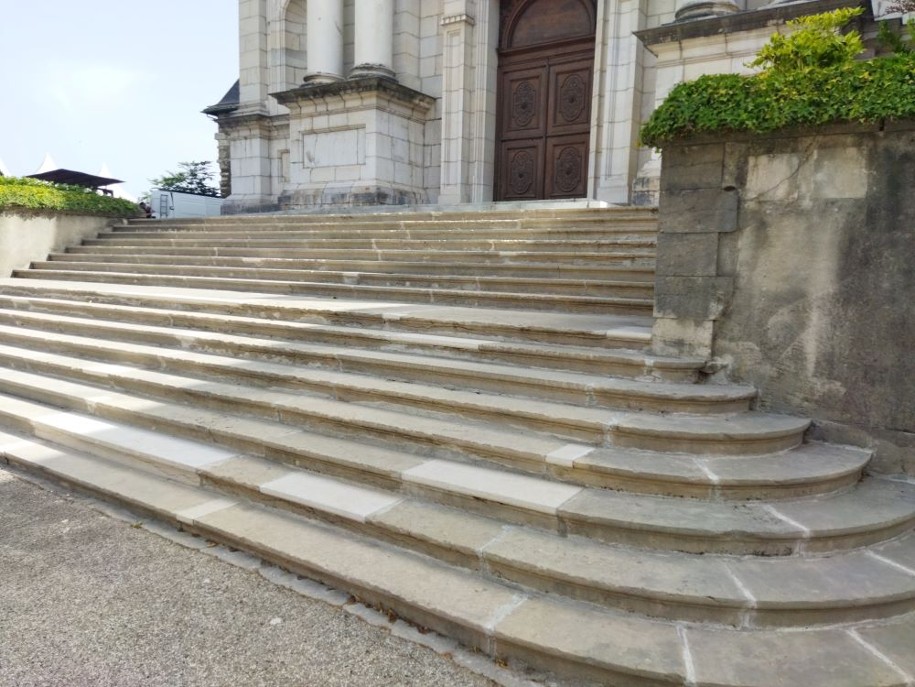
(407, 102)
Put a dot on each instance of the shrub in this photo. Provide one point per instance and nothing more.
(33, 194)
(812, 80)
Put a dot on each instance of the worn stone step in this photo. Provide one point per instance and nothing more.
(743, 592)
(738, 434)
(550, 632)
(872, 512)
(293, 239)
(217, 355)
(573, 329)
(808, 470)
(520, 301)
(643, 260)
(297, 343)
(640, 275)
(610, 289)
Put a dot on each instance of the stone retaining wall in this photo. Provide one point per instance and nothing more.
(25, 237)
(790, 259)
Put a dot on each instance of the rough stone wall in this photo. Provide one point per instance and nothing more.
(29, 236)
(789, 258)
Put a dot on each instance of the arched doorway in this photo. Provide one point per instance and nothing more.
(546, 62)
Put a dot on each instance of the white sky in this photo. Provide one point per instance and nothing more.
(116, 82)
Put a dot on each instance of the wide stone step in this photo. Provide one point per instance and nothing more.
(162, 347)
(737, 434)
(747, 592)
(481, 259)
(641, 275)
(573, 287)
(572, 329)
(520, 301)
(272, 239)
(872, 512)
(807, 470)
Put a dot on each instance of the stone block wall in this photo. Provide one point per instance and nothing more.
(788, 259)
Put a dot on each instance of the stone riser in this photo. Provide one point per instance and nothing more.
(536, 302)
(644, 521)
(603, 289)
(700, 588)
(639, 275)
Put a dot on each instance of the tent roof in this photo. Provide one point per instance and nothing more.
(69, 176)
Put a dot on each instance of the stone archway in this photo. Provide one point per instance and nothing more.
(545, 75)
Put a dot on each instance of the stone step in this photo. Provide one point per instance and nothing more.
(493, 437)
(870, 513)
(457, 384)
(603, 288)
(746, 592)
(640, 275)
(541, 327)
(403, 294)
(292, 239)
(804, 471)
(480, 259)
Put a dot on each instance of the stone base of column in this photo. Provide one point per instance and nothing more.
(319, 78)
(369, 71)
(362, 143)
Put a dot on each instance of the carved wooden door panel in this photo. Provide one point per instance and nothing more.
(544, 126)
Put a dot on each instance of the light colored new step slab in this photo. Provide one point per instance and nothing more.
(739, 434)
(218, 355)
(520, 301)
(738, 591)
(572, 287)
(543, 327)
(639, 275)
(248, 334)
(872, 512)
(559, 635)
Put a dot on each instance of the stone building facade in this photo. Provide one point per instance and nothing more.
(378, 102)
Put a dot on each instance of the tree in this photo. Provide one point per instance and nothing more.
(194, 177)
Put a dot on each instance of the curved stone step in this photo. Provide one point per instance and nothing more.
(147, 346)
(746, 592)
(580, 640)
(575, 329)
(872, 512)
(621, 289)
(494, 299)
(482, 439)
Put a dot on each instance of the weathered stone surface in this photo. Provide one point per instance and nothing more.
(698, 210)
(691, 255)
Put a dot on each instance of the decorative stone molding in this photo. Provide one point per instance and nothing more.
(459, 19)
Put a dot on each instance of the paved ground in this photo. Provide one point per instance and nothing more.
(89, 600)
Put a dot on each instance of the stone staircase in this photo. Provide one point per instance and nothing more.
(457, 417)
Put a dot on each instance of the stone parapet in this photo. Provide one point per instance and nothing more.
(787, 259)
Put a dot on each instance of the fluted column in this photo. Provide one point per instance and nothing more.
(374, 44)
(324, 33)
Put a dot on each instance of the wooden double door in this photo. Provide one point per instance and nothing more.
(544, 122)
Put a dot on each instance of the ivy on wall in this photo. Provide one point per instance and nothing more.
(32, 194)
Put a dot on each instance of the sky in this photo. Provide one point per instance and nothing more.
(114, 82)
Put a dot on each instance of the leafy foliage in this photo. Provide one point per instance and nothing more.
(893, 41)
(194, 177)
(33, 194)
(815, 44)
(804, 85)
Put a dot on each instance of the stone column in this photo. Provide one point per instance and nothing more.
(324, 33)
(374, 44)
